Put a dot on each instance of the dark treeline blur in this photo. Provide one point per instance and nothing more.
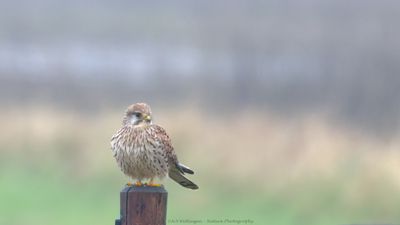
(288, 56)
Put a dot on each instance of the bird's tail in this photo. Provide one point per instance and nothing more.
(176, 174)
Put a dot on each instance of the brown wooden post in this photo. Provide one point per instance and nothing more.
(143, 206)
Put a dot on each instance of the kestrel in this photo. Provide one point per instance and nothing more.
(143, 150)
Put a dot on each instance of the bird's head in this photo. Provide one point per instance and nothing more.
(138, 114)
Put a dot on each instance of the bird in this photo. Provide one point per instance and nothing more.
(143, 150)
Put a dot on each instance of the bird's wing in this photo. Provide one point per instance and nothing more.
(164, 142)
(176, 170)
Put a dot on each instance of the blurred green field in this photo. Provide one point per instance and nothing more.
(56, 168)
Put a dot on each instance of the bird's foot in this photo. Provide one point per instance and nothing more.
(151, 184)
(138, 184)
(129, 184)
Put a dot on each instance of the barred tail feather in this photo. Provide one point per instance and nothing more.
(184, 169)
(176, 175)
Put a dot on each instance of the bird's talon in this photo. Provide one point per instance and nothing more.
(129, 184)
(138, 183)
(154, 185)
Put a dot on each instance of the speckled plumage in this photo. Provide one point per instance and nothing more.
(144, 151)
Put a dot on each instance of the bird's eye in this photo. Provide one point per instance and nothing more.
(137, 114)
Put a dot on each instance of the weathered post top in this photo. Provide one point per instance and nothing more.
(143, 205)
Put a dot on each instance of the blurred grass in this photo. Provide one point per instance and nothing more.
(56, 168)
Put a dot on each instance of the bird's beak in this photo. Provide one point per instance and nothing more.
(147, 117)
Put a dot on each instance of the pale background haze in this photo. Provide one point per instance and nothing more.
(288, 111)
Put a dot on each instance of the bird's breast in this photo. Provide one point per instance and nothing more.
(139, 155)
